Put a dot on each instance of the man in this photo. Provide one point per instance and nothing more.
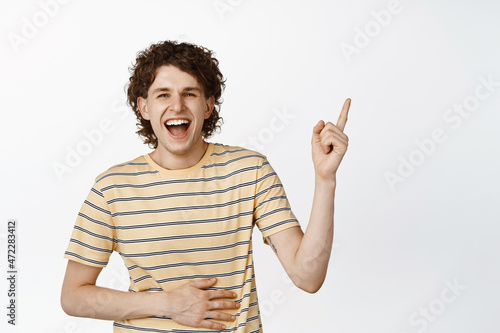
(182, 216)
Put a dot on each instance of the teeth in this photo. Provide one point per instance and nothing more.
(174, 122)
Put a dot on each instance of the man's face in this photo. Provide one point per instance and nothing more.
(176, 107)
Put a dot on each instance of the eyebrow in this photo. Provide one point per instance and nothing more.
(157, 90)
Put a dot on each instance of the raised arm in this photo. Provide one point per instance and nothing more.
(305, 256)
(189, 304)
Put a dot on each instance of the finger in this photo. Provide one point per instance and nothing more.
(221, 294)
(220, 316)
(337, 135)
(333, 129)
(212, 325)
(343, 115)
(333, 144)
(203, 283)
(223, 305)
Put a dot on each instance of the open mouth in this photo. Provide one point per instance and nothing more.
(178, 128)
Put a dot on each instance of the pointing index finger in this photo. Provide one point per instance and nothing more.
(343, 115)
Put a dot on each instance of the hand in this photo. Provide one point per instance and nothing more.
(191, 305)
(329, 144)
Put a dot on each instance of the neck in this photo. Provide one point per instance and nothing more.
(177, 161)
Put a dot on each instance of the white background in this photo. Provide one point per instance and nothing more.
(399, 244)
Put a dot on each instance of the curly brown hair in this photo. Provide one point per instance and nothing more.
(195, 60)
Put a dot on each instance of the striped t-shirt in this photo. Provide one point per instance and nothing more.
(173, 226)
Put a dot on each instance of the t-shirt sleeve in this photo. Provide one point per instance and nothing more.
(272, 212)
(92, 240)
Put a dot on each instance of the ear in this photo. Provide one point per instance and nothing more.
(143, 108)
(210, 106)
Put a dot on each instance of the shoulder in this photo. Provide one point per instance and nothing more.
(129, 169)
(235, 154)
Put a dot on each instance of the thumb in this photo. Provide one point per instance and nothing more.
(203, 283)
(317, 129)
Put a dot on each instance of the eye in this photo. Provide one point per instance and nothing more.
(190, 95)
(162, 95)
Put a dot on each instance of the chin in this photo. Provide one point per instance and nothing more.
(178, 148)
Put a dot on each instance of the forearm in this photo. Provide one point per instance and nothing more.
(313, 254)
(189, 304)
(91, 301)
(306, 256)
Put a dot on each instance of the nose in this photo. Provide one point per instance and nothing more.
(176, 103)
